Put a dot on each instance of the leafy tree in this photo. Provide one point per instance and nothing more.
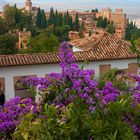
(132, 31)
(9, 13)
(26, 21)
(8, 44)
(94, 10)
(76, 26)
(3, 26)
(13, 15)
(102, 22)
(43, 43)
(60, 31)
(65, 30)
(110, 28)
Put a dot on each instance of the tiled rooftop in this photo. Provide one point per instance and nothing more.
(108, 47)
(101, 41)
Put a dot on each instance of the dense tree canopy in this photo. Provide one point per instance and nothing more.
(94, 10)
(110, 28)
(41, 21)
(57, 27)
(7, 44)
(3, 26)
(102, 22)
(132, 31)
(16, 19)
(43, 42)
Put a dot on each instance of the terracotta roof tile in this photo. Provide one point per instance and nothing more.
(108, 47)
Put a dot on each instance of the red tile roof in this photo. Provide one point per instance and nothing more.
(103, 40)
(107, 48)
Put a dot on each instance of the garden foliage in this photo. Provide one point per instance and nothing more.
(75, 106)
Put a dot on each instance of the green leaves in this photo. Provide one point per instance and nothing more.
(43, 43)
(7, 44)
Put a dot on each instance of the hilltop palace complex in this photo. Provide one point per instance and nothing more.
(118, 18)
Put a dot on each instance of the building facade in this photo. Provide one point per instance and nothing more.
(118, 18)
(28, 5)
(9, 75)
(29, 8)
(23, 38)
(102, 55)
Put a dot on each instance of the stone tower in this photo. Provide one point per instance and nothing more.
(28, 5)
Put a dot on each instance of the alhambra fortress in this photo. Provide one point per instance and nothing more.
(118, 18)
(102, 50)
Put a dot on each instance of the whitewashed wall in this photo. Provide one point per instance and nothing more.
(75, 49)
(40, 70)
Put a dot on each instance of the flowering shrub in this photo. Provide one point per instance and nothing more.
(76, 106)
(11, 114)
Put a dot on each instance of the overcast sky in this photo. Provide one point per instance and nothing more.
(129, 6)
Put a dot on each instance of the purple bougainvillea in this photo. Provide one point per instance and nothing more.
(12, 112)
(74, 83)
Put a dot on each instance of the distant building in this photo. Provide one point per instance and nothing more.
(23, 37)
(73, 35)
(102, 41)
(102, 54)
(119, 32)
(119, 20)
(1, 15)
(29, 8)
(28, 5)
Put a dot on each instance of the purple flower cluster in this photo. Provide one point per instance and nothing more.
(65, 88)
(72, 78)
(66, 55)
(110, 93)
(75, 82)
(12, 112)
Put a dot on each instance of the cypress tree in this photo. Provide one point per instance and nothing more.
(38, 18)
(43, 19)
(60, 19)
(65, 19)
(56, 18)
(70, 22)
(81, 30)
(52, 17)
(76, 23)
(16, 14)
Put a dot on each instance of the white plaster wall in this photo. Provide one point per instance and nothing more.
(75, 49)
(40, 70)
(9, 72)
(119, 64)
